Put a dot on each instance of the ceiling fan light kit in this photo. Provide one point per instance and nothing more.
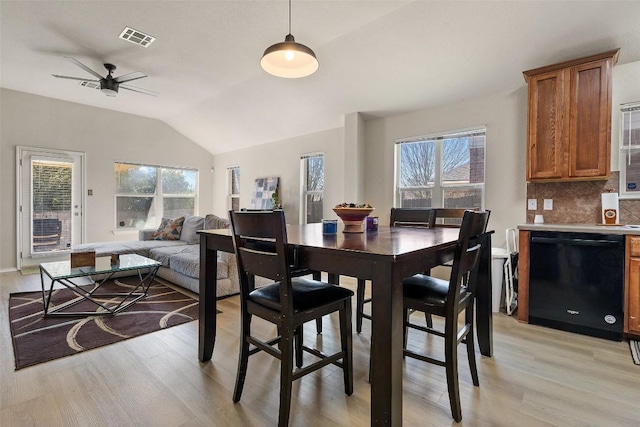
(289, 59)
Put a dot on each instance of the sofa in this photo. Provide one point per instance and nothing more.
(177, 248)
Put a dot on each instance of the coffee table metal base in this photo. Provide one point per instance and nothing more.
(122, 300)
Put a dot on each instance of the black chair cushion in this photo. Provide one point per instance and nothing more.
(307, 294)
(430, 290)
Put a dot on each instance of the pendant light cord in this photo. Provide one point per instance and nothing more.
(289, 16)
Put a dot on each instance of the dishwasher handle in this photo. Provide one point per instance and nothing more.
(575, 242)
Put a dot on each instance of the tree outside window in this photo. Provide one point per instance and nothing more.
(312, 188)
(145, 194)
(441, 171)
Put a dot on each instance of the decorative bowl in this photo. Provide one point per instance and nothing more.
(353, 218)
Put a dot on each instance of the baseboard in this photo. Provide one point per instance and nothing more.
(8, 270)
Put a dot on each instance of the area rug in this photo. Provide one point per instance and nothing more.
(634, 346)
(37, 339)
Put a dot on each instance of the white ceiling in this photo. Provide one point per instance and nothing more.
(376, 57)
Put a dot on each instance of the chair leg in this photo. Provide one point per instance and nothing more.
(429, 320)
(359, 304)
(405, 335)
(299, 341)
(347, 346)
(243, 358)
(286, 375)
(317, 275)
(451, 365)
(469, 340)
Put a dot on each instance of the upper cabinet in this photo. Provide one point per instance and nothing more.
(569, 119)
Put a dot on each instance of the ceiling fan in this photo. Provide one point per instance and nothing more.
(109, 85)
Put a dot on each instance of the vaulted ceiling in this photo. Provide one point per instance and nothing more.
(376, 57)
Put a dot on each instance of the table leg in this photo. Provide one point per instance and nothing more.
(484, 315)
(207, 300)
(386, 347)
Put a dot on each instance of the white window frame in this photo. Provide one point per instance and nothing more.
(230, 194)
(158, 196)
(438, 187)
(628, 111)
(303, 184)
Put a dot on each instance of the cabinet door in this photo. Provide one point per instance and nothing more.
(590, 120)
(545, 126)
(633, 297)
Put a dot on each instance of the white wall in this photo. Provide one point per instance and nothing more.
(282, 159)
(505, 119)
(106, 137)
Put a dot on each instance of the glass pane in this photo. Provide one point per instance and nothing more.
(463, 160)
(462, 198)
(178, 181)
(135, 179)
(235, 203)
(174, 207)
(417, 164)
(235, 181)
(631, 131)
(314, 208)
(51, 205)
(135, 212)
(415, 198)
(632, 184)
(315, 173)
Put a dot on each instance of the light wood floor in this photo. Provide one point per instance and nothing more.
(537, 377)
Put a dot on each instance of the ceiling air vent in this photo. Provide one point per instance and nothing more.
(90, 85)
(136, 37)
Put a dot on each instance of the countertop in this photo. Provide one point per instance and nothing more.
(583, 228)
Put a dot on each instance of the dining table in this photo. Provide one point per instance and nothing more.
(385, 257)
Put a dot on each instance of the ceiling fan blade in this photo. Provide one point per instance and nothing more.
(131, 76)
(139, 90)
(74, 78)
(84, 67)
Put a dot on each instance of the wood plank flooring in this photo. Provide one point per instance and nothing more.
(537, 377)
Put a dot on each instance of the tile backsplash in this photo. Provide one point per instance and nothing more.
(579, 202)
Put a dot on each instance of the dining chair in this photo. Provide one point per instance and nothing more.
(448, 299)
(449, 217)
(288, 302)
(399, 217)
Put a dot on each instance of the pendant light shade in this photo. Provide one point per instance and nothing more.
(289, 59)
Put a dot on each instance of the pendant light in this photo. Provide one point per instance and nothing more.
(289, 59)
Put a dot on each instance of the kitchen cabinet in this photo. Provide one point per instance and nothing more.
(569, 119)
(632, 287)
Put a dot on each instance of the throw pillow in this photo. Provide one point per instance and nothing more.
(190, 227)
(169, 229)
(212, 222)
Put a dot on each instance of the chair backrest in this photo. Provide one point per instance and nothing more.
(412, 217)
(260, 242)
(449, 217)
(467, 252)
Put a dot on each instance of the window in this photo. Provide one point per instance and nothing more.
(233, 184)
(630, 151)
(145, 194)
(445, 170)
(312, 172)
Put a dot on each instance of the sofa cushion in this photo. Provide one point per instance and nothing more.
(212, 222)
(187, 262)
(190, 227)
(169, 229)
(163, 254)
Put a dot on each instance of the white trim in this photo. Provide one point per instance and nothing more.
(444, 135)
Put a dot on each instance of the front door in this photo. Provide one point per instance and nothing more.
(50, 204)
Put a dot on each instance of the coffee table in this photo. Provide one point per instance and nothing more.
(61, 272)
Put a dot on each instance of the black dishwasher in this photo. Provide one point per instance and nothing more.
(576, 282)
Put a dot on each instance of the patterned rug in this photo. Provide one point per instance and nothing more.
(634, 346)
(37, 339)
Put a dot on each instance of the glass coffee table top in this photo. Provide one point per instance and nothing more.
(63, 270)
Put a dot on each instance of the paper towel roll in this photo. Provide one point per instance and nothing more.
(610, 201)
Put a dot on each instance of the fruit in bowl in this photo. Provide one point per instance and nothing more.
(352, 215)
